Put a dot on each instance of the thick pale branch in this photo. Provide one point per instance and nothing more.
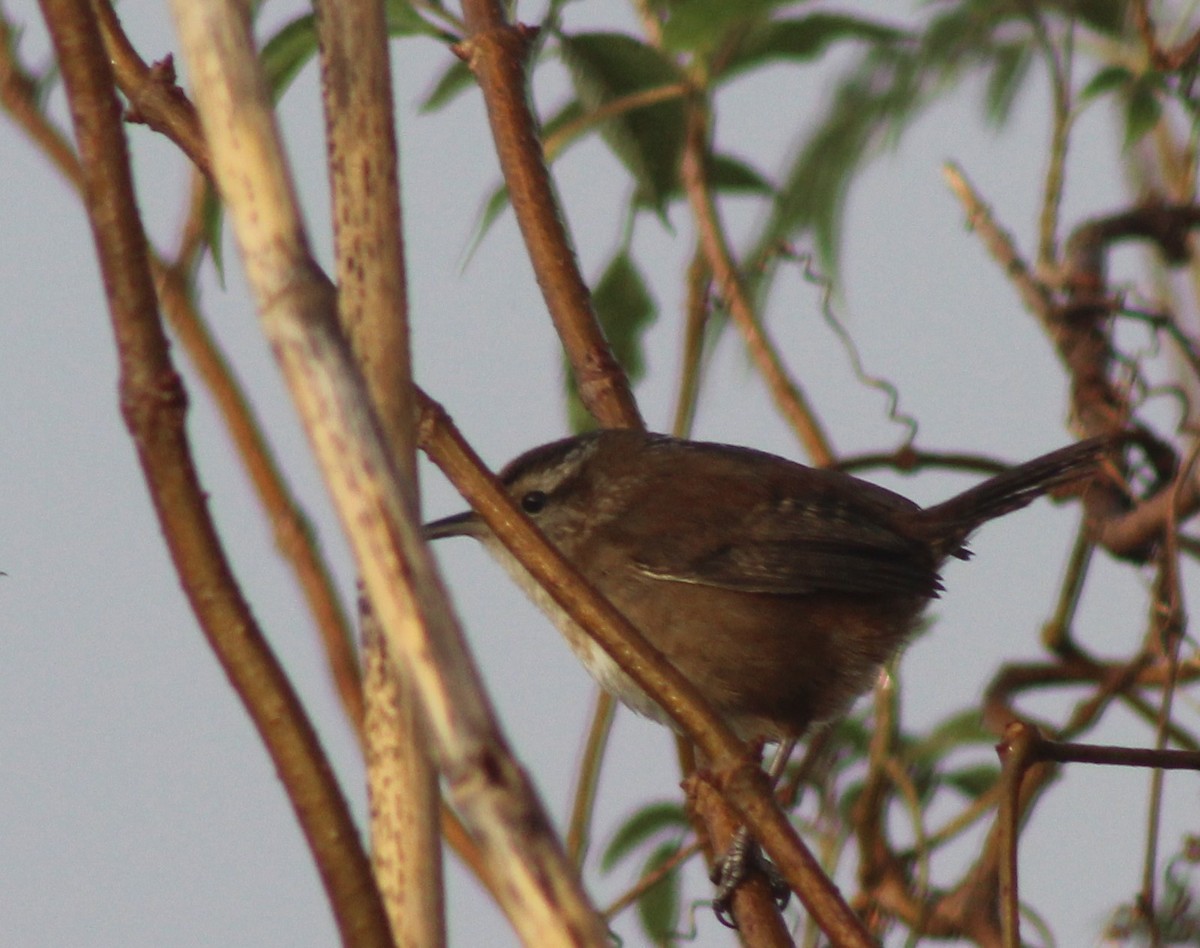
(297, 306)
(373, 310)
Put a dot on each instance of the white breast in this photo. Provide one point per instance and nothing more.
(599, 663)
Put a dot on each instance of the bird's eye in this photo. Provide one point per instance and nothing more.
(533, 502)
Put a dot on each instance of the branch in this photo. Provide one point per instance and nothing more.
(356, 83)
(154, 98)
(789, 397)
(297, 309)
(496, 52)
(294, 535)
(735, 775)
(153, 403)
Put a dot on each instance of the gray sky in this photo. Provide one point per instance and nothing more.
(137, 807)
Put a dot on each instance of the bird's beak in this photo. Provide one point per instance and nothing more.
(465, 524)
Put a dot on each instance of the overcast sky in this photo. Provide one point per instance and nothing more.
(137, 806)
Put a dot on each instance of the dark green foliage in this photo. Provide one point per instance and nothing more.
(1009, 70)
(287, 52)
(666, 823)
(454, 80)
(972, 782)
(1143, 106)
(733, 175)
(404, 20)
(699, 26)
(800, 40)
(605, 67)
(625, 310)
(658, 908)
(212, 217)
(650, 821)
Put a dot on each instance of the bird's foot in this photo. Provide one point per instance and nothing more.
(731, 870)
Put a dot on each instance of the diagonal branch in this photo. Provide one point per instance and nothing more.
(496, 52)
(297, 308)
(789, 397)
(153, 403)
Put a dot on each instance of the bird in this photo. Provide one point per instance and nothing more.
(778, 590)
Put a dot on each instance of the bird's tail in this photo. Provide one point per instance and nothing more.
(952, 521)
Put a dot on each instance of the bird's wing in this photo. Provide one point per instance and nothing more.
(789, 547)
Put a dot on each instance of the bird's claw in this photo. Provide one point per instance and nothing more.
(732, 869)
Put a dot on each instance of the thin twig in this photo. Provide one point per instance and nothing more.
(691, 359)
(1015, 758)
(786, 392)
(587, 780)
(153, 96)
(1060, 87)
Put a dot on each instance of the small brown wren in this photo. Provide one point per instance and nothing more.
(777, 589)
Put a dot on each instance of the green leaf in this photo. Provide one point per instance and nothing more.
(211, 217)
(1143, 107)
(492, 208)
(555, 138)
(647, 140)
(1108, 79)
(730, 174)
(969, 31)
(1009, 70)
(1103, 16)
(701, 25)
(800, 40)
(658, 906)
(973, 782)
(455, 79)
(965, 727)
(625, 310)
(646, 823)
(286, 53)
(852, 733)
(403, 20)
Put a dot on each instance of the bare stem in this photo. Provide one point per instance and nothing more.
(152, 401)
(496, 51)
(297, 306)
(402, 779)
(788, 396)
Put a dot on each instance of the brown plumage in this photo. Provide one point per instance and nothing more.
(777, 589)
